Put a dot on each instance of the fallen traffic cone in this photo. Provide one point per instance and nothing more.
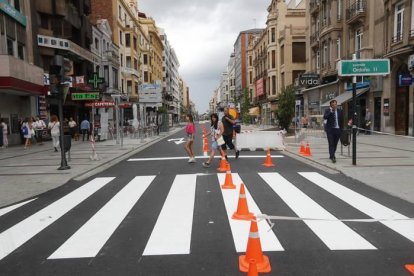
(307, 150)
(228, 181)
(242, 212)
(410, 268)
(223, 164)
(254, 251)
(268, 162)
(252, 268)
(302, 149)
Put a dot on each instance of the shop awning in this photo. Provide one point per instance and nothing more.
(254, 111)
(346, 96)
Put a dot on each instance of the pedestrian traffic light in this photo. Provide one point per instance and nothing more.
(58, 70)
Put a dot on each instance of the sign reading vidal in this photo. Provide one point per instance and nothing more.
(309, 80)
(150, 93)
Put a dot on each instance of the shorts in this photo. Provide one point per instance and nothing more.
(228, 139)
(214, 145)
(190, 137)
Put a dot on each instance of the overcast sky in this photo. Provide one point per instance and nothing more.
(202, 33)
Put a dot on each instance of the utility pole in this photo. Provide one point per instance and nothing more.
(354, 117)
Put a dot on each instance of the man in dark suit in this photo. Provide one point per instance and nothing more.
(334, 124)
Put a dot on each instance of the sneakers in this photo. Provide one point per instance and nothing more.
(237, 154)
(191, 160)
(206, 165)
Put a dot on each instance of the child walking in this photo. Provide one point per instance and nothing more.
(215, 132)
(190, 130)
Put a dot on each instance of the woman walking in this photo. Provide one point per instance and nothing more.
(5, 132)
(215, 132)
(190, 130)
(27, 134)
(54, 127)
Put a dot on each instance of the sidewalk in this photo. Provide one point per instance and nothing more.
(383, 162)
(26, 173)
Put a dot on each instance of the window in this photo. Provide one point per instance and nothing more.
(273, 35)
(273, 85)
(273, 59)
(127, 40)
(145, 76)
(135, 64)
(282, 80)
(145, 59)
(44, 21)
(119, 12)
(338, 48)
(129, 87)
(17, 5)
(135, 44)
(120, 37)
(128, 62)
(250, 59)
(20, 51)
(339, 9)
(282, 54)
(398, 22)
(136, 88)
(122, 59)
(358, 42)
(96, 44)
(250, 77)
(324, 54)
(299, 52)
(317, 61)
(10, 47)
(115, 77)
(106, 74)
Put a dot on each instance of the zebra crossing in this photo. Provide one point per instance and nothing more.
(172, 232)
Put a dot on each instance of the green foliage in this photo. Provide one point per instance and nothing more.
(245, 106)
(286, 107)
(162, 109)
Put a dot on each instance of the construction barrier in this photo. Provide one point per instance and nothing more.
(260, 140)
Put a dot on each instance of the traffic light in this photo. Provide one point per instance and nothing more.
(58, 72)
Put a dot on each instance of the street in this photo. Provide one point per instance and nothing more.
(156, 214)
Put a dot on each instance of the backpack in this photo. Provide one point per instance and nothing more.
(25, 130)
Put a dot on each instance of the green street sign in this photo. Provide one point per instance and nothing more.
(363, 67)
(85, 96)
(96, 80)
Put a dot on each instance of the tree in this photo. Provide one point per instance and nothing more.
(244, 113)
(286, 107)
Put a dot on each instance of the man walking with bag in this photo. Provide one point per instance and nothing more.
(334, 124)
(228, 122)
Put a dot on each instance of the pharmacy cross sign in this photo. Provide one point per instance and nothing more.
(96, 80)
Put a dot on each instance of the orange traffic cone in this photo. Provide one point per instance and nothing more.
(410, 268)
(223, 164)
(254, 251)
(302, 149)
(205, 147)
(228, 181)
(242, 212)
(268, 162)
(307, 150)
(252, 268)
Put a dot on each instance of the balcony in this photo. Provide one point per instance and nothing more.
(65, 44)
(129, 71)
(21, 70)
(356, 12)
(111, 56)
(398, 37)
(314, 39)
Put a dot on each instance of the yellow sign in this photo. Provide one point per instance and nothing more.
(233, 112)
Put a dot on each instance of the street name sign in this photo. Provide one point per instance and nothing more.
(363, 67)
(85, 96)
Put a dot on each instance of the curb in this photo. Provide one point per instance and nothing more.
(110, 163)
(311, 162)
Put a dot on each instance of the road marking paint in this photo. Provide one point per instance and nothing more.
(335, 234)
(14, 237)
(172, 231)
(197, 157)
(364, 204)
(8, 209)
(239, 228)
(92, 236)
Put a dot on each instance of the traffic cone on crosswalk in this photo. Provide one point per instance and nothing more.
(307, 150)
(254, 251)
(268, 162)
(242, 212)
(205, 147)
(223, 163)
(228, 181)
(252, 268)
(302, 149)
(410, 268)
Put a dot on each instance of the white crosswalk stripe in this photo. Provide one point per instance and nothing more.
(240, 228)
(88, 240)
(172, 233)
(364, 204)
(8, 209)
(328, 231)
(14, 237)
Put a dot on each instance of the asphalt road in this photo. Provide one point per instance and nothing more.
(169, 217)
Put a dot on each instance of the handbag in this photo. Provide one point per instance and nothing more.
(25, 130)
(220, 141)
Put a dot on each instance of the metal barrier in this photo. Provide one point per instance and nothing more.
(260, 140)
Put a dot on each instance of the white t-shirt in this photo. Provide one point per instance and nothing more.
(54, 128)
(72, 124)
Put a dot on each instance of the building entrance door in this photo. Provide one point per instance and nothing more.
(401, 111)
(377, 113)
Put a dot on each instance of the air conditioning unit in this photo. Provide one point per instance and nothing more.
(411, 62)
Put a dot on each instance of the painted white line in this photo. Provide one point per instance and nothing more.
(92, 236)
(8, 209)
(335, 234)
(172, 231)
(240, 228)
(198, 157)
(14, 237)
(364, 204)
